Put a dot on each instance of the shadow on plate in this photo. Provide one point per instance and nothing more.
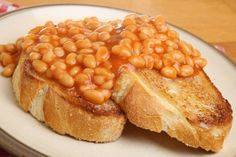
(161, 140)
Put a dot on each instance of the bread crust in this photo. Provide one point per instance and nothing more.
(64, 113)
(150, 105)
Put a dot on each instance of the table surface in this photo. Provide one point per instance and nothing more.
(212, 21)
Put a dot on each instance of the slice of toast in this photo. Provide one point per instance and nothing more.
(191, 109)
(62, 110)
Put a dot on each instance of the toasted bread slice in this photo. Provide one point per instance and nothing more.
(62, 110)
(191, 109)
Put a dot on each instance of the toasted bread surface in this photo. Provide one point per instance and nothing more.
(62, 110)
(191, 109)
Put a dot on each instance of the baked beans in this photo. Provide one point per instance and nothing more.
(86, 55)
(94, 96)
(8, 70)
(39, 66)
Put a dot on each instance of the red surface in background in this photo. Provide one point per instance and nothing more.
(3, 153)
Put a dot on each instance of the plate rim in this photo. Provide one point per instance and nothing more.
(24, 148)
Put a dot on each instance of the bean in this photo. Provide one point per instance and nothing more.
(168, 59)
(8, 70)
(19, 41)
(131, 28)
(58, 73)
(36, 30)
(81, 78)
(185, 48)
(186, 70)
(97, 44)
(126, 43)
(103, 71)
(157, 62)
(58, 65)
(48, 57)
(86, 43)
(69, 46)
(171, 44)
(99, 79)
(199, 62)
(106, 93)
(116, 49)
(73, 30)
(104, 36)
(147, 50)
(137, 48)
(11, 48)
(44, 39)
(159, 20)
(104, 28)
(162, 37)
(172, 34)
(62, 30)
(30, 37)
(55, 43)
(159, 49)
(149, 61)
(89, 61)
(78, 37)
(93, 25)
(162, 28)
(129, 21)
(49, 24)
(102, 54)
(71, 59)
(44, 47)
(59, 51)
(39, 66)
(124, 51)
(107, 64)
(26, 43)
(129, 35)
(66, 80)
(6, 59)
(169, 72)
(189, 60)
(177, 67)
(80, 58)
(73, 71)
(86, 51)
(89, 72)
(55, 37)
(83, 88)
(107, 85)
(147, 31)
(137, 61)
(34, 55)
(93, 36)
(94, 96)
(64, 40)
(196, 53)
(178, 56)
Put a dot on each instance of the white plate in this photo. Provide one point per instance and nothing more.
(30, 136)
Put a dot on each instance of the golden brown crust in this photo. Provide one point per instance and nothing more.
(64, 114)
(191, 110)
(65, 118)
